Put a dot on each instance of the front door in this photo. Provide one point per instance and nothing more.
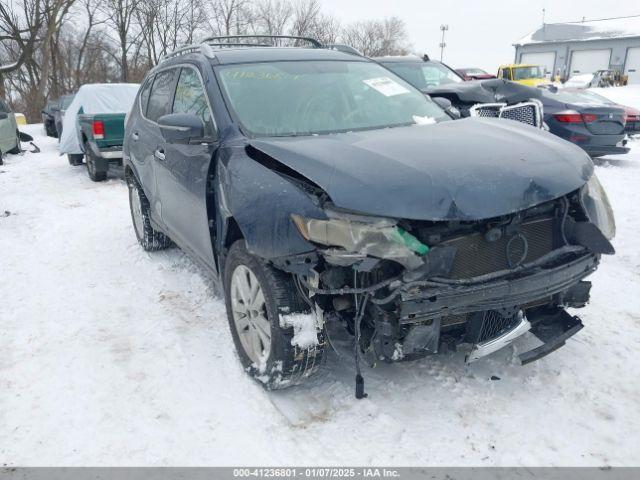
(182, 177)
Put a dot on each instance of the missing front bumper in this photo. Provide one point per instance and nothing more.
(423, 304)
(553, 331)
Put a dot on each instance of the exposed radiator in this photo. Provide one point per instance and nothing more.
(475, 255)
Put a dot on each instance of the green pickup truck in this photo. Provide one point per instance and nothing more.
(101, 137)
(93, 129)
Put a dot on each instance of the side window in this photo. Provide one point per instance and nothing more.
(144, 95)
(160, 98)
(3, 107)
(191, 98)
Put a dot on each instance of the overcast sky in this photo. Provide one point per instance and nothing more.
(481, 32)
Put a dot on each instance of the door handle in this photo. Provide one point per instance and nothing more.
(135, 136)
(159, 154)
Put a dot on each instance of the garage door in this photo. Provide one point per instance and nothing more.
(632, 65)
(546, 60)
(588, 61)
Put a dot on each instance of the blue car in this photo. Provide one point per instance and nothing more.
(581, 118)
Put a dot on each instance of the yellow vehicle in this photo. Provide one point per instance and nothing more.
(530, 75)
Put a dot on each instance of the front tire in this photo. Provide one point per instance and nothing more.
(149, 238)
(256, 295)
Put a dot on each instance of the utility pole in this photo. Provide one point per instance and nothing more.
(443, 28)
(543, 15)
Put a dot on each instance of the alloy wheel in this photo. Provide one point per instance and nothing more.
(136, 211)
(249, 312)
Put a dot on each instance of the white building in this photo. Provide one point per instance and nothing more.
(575, 48)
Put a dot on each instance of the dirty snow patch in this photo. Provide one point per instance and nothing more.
(304, 329)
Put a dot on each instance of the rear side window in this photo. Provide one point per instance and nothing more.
(191, 98)
(161, 92)
(4, 107)
(144, 95)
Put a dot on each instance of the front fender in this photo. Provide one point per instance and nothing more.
(261, 201)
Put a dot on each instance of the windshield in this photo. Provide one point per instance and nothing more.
(424, 74)
(319, 97)
(523, 73)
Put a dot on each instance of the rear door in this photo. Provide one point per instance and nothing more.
(182, 175)
(137, 147)
(148, 133)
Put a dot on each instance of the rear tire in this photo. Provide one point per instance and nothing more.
(281, 364)
(94, 173)
(149, 238)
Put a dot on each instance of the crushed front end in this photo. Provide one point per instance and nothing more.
(409, 288)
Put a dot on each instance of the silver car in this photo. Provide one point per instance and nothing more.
(9, 142)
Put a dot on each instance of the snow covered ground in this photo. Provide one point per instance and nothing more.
(628, 95)
(113, 356)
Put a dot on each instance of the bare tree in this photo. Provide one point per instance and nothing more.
(54, 14)
(89, 9)
(19, 27)
(377, 37)
(271, 17)
(309, 21)
(164, 25)
(121, 16)
(51, 47)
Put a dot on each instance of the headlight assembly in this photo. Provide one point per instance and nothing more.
(597, 207)
(380, 238)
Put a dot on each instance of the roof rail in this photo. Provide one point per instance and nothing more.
(261, 41)
(230, 41)
(193, 48)
(343, 48)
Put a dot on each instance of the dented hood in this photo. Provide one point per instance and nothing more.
(465, 169)
(485, 91)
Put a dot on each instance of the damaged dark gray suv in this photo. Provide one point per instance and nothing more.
(320, 189)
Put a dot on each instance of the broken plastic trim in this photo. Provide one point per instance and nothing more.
(485, 348)
(380, 237)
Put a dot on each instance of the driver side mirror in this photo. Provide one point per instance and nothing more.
(181, 127)
(447, 106)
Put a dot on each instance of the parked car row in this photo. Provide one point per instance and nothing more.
(599, 127)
